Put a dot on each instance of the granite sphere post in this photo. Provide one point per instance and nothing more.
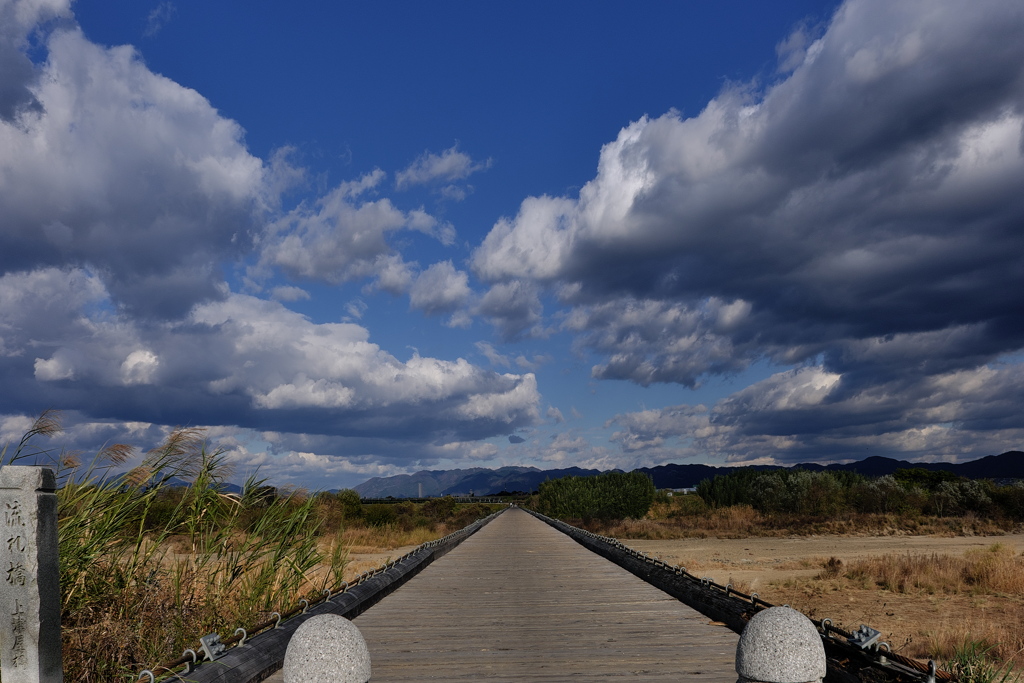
(327, 648)
(780, 645)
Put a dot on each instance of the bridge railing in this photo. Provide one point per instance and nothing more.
(251, 654)
(851, 657)
(457, 499)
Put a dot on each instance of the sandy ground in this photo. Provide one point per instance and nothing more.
(783, 571)
(360, 562)
(760, 563)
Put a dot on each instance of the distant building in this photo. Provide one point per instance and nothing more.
(681, 492)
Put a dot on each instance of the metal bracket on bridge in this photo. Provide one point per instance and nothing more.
(865, 637)
(212, 646)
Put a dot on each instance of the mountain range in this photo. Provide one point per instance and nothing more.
(484, 481)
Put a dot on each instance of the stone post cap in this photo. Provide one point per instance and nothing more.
(327, 648)
(780, 645)
(27, 477)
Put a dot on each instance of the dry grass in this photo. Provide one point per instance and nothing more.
(688, 517)
(1001, 636)
(371, 539)
(146, 569)
(995, 570)
(730, 522)
(933, 606)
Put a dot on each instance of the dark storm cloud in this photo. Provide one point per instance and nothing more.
(17, 73)
(805, 415)
(875, 190)
(114, 168)
(862, 214)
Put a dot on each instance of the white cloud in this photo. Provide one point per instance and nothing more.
(807, 415)
(393, 274)
(535, 244)
(154, 186)
(336, 241)
(125, 195)
(440, 289)
(355, 309)
(507, 406)
(342, 238)
(158, 18)
(514, 308)
(492, 355)
(289, 293)
(791, 390)
(140, 367)
(535, 363)
(451, 164)
(859, 192)
(240, 360)
(649, 340)
(278, 353)
(304, 393)
(56, 368)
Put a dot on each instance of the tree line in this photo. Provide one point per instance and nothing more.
(822, 494)
(828, 493)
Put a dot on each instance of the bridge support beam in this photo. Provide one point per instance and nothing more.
(780, 645)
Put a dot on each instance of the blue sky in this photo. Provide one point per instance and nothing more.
(354, 241)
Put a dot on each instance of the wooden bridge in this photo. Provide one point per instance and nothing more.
(520, 601)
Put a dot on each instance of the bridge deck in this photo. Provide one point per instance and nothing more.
(519, 601)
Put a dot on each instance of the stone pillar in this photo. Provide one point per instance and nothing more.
(780, 645)
(30, 650)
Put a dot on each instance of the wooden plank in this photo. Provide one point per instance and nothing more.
(520, 601)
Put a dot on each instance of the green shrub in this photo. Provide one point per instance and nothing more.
(439, 509)
(380, 514)
(612, 495)
(351, 502)
(690, 505)
(798, 491)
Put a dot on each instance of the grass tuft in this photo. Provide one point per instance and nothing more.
(973, 662)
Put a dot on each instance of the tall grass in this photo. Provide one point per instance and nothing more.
(972, 662)
(982, 645)
(128, 599)
(996, 569)
(147, 568)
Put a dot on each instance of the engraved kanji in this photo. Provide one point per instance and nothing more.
(16, 543)
(16, 574)
(12, 514)
(18, 654)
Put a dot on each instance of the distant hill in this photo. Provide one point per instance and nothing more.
(478, 480)
(1009, 465)
(483, 481)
